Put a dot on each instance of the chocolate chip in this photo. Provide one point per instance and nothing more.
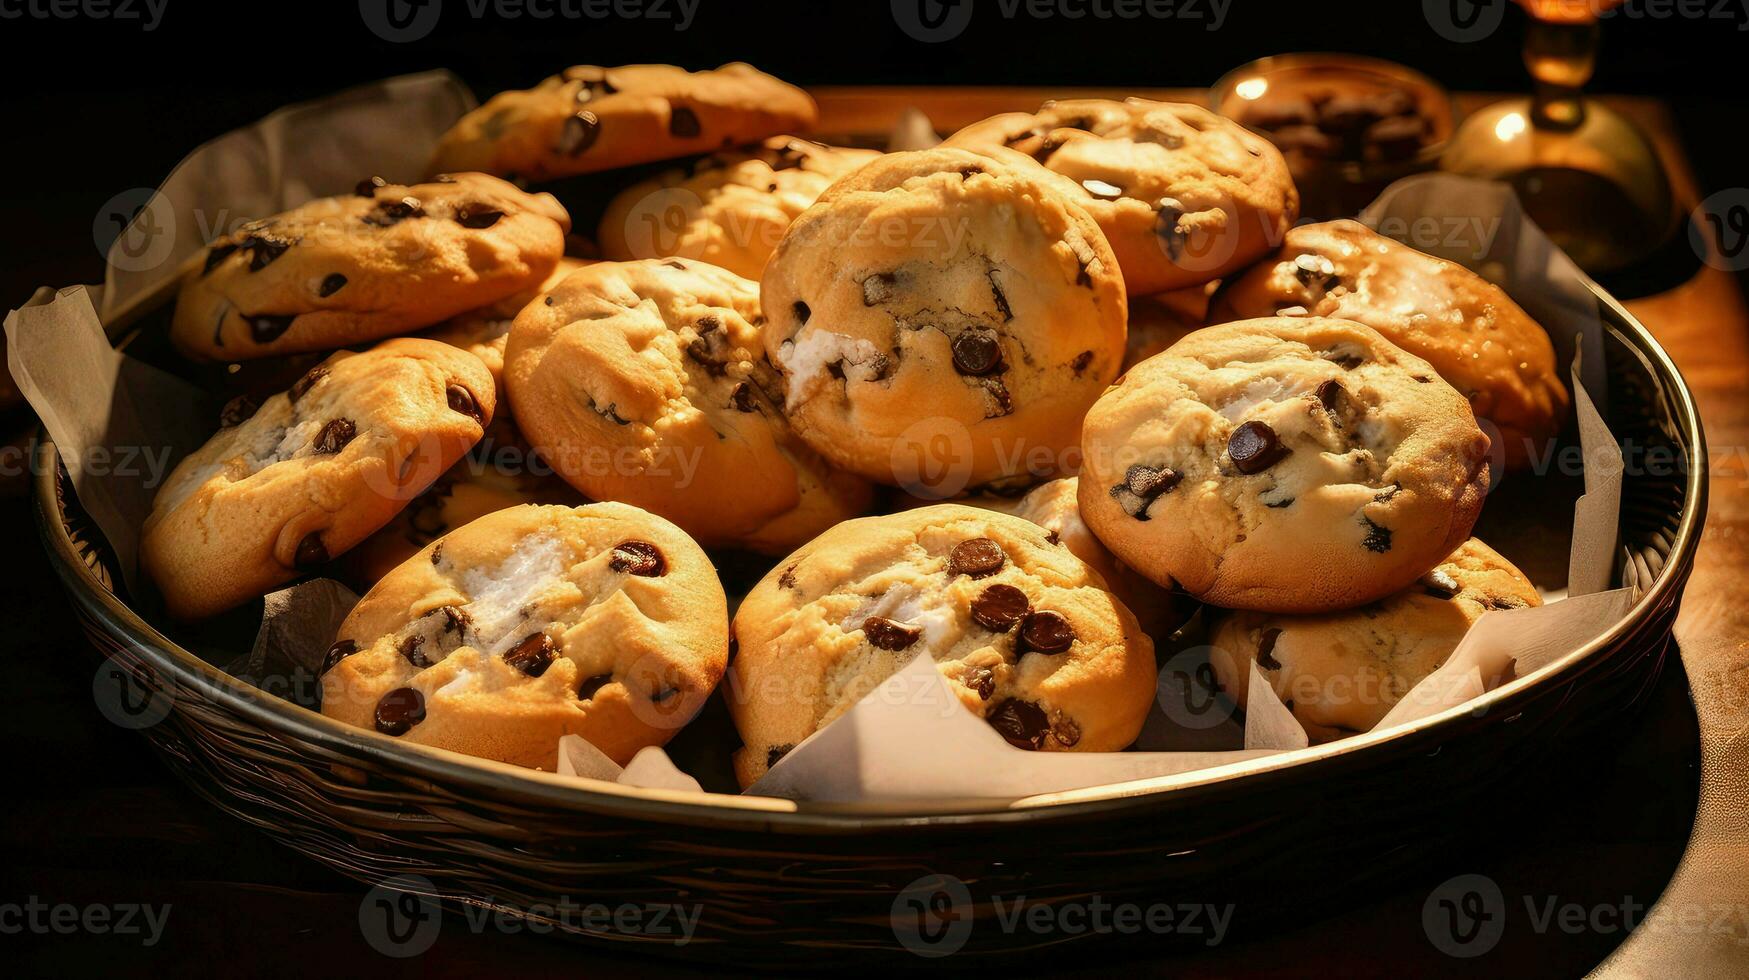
(1046, 632)
(368, 186)
(394, 212)
(1148, 482)
(683, 123)
(455, 619)
(1315, 271)
(775, 753)
(1331, 394)
(982, 680)
(743, 398)
(1279, 504)
(977, 558)
(1501, 602)
(217, 254)
(1081, 361)
(610, 413)
(787, 580)
(1266, 649)
(999, 607)
(801, 311)
(1346, 359)
(1255, 448)
(263, 249)
(1378, 539)
(334, 436)
(477, 216)
(977, 353)
(437, 552)
(639, 558)
(1003, 402)
(593, 685)
(579, 133)
(1066, 732)
(237, 411)
(411, 650)
(1022, 723)
(533, 655)
(338, 652)
(462, 400)
(331, 284)
(311, 551)
(887, 634)
(675, 264)
(399, 711)
(302, 386)
(269, 327)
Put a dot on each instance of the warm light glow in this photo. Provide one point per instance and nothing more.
(1509, 127)
(1251, 88)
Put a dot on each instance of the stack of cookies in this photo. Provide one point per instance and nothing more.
(894, 376)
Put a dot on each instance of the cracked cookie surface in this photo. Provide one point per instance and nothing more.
(730, 208)
(386, 259)
(1342, 672)
(1184, 195)
(309, 474)
(942, 321)
(533, 623)
(1027, 635)
(1481, 342)
(646, 382)
(589, 118)
(1288, 464)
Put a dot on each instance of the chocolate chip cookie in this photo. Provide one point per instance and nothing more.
(1283, 464)
(588, 118)
(384, 260)
(483, 332)
(1481, 342)
(730, 208)
(283, 487)
(1342, 672)
(1156, 324)
(531, 624)
(1026, 635)
(645, 382)
(1184, 195)
(942, 321)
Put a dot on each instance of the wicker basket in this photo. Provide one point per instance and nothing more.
(778, 882)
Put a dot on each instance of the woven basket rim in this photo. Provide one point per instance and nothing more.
(505, 782)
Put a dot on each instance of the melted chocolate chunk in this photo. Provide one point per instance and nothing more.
(1254, 447)
(477, 216)
(683, 123)
(394, 212)
(331, 284)
(982, 680)
(237, 411)
(743, 398)
(999, 607)
(338, 652)
(311, 551)
(977, 558)
(1081, 361)
(788, 579)
(1066, 732)
(462, 400)
(977, 353)
(532, 655)
(399, 711)
(216, 254)
(639, 558)
(263, 249)
(579, 133)
(1266, 649)
(1022, 723)
(1378, 539)
(1331, 395)
(269, 327)
(302, 386)
(1345, 359)
(1148, 482)
(887, 634)
(412, 651)
(1046, 632)
(334, 436)
(776, 752)
(592, 686)
(368, 186)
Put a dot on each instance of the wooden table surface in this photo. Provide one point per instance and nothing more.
(96, 820)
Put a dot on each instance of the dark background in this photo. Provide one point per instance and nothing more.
(96, 107)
